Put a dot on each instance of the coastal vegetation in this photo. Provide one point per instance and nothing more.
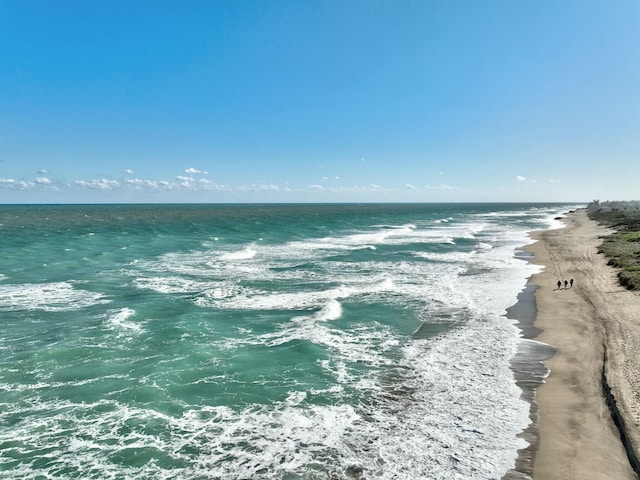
(623, 246)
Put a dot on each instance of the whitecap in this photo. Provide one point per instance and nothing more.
(171, 284)
(50, 297)
(331, 311)
(246, 253)
(118, 320)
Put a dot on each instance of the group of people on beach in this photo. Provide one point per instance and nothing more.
(567, 284)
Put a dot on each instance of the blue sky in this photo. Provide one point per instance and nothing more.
(319, 101)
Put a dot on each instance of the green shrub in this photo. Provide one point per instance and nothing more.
(630, 279)
(621, 247)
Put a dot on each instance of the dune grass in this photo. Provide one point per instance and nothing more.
(622, 247)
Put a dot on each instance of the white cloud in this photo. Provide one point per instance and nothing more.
(183, 179)
(138, 184)
(22, 185)
(42, 172)
(15, 184)
(8, 182)
(353, 189)
(128, 171)
(150, 185)
(269, 187)
(520, 178)
(186, 182)
(102, 184)
(193, 171)
(443, 187)
(195, 184)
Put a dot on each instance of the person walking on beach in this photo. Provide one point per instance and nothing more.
(566, 284)
(559, 284)
(571, 282)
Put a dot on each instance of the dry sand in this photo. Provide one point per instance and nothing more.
(594, 324)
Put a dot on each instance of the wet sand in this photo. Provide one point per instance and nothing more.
(595, 327)
(530, 372)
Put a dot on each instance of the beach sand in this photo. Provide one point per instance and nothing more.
(595, 326)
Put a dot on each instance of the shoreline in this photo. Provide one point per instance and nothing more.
(592, 373)
(530, 373)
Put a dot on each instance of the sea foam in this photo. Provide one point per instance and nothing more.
(51, 297)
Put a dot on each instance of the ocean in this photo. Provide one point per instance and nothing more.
(262, 341)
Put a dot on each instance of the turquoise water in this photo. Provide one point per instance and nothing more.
(261, 341)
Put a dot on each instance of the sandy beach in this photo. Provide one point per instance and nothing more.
(595, 326)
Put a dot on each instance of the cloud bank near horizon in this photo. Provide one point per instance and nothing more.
(190, 183)
(190, 189)
(194, 185)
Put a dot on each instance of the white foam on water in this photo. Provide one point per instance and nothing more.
(440, 421)
(368, 344)
(403, 235)
(220, 291)
(119, 320)
(453, 257)
(252, 299)
(504, 214)
(554, 222)
(80, 438)
(41, 386)
(50, 297)
(214, 442)
(171, 284)
(205, 264)
(265, 262)
(331, 311)
(246, 253)
(384, 235)
(460, 419)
